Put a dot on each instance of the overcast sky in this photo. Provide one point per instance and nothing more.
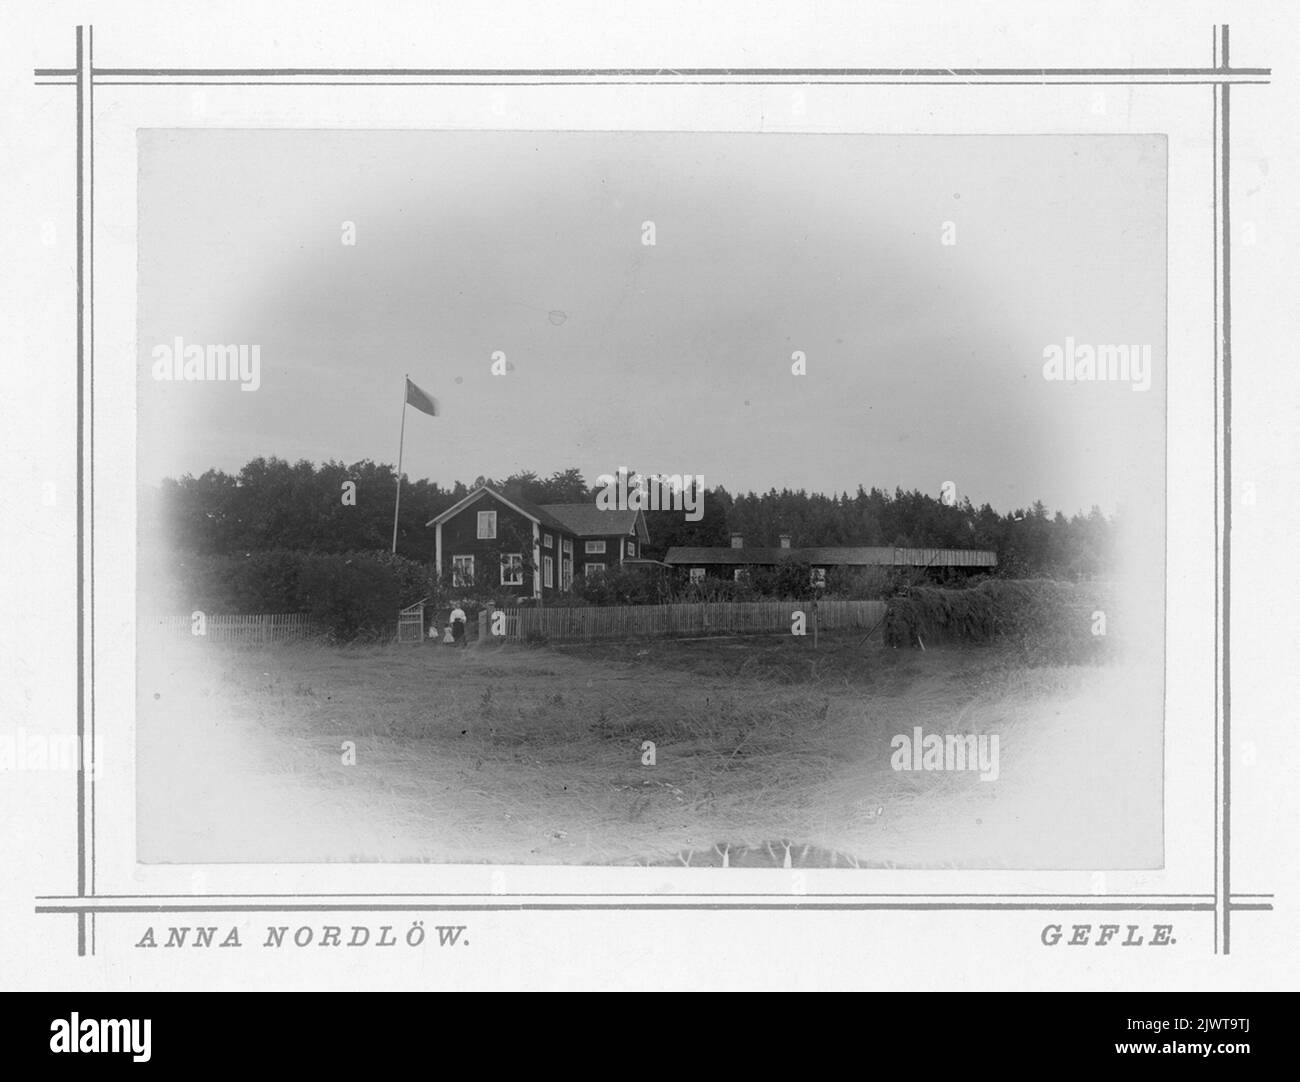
(924, 360)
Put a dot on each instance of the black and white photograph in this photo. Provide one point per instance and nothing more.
(650, 497)
(765, 500)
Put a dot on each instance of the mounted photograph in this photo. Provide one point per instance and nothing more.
(667, 499)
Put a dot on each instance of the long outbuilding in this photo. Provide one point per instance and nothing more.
(732, 561)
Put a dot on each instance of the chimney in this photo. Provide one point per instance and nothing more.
(785, 540)
(737, 542)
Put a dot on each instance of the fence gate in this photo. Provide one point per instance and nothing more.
(410, 622)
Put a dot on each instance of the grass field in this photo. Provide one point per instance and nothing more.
(764, 747)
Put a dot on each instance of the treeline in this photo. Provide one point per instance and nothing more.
(271, 504)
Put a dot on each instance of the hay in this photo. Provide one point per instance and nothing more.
(1047, 622)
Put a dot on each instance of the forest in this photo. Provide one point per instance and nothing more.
(274, 505)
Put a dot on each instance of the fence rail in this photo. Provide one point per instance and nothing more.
(257, 629)
(591, 623)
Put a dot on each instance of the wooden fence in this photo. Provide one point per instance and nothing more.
(258, 629)
(592, 623)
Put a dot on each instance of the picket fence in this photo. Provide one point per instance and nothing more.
(577, 624)
(592, 623)
(254, 630)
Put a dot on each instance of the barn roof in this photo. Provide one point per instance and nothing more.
(529, 510)
(588, 520)
(579, 519)
(837, 556)
(741, 556)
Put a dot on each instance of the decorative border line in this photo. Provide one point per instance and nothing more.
(1221, 76)
(1223, 501)
(692, 76)
(667, 906)
(482, 902)
(85, 476)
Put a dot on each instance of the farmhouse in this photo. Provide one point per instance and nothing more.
(530, 550)
(734, 561)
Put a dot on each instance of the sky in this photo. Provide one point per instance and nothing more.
(924, 360)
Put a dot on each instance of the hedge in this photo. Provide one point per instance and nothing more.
(349, 596)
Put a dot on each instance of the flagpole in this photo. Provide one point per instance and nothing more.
(401, 442)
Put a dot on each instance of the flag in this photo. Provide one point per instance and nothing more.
(421, 400)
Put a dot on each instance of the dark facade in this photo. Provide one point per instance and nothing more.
(606, 539)
(549, 544)
(610, 550)
(729, 562)
(514, 560)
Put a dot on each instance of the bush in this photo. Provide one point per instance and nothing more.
(347, 595)
(709, 589)
(863, 583)
(622, 586)
(791, 579)
(1047, 622)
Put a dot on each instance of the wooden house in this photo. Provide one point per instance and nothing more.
(531, 550)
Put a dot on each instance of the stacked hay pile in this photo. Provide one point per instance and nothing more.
(1049, 622)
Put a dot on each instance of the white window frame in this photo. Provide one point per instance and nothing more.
(548, 572)
(631, 548)
(740, 574)
(566, 573)
(593, 548)
(459, 577)
(819, 577)
(697, 574)
(587, 569)
(508, 564)
(548, 541)
(568, 547)
(490, 517)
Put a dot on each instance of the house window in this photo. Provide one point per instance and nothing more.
(819, 576)
(590, 568)
(697, 574)
(740, 574)
(487, 525)
(566, 573)
(568, 547)
(631, 548)
(594, 546)
(548, 572)
(548, 541)
(462, 570)
(512, 569)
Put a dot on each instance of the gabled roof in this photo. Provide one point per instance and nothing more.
(528, 510)
(853, 556)
(588, 520)
(717, 555)
(835, 556)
